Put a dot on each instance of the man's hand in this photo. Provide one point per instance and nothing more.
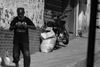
(28, 26)
(19, 25)
(25, 25)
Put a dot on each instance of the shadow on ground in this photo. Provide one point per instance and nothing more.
(8, 66)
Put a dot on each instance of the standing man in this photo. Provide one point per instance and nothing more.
(20, 24)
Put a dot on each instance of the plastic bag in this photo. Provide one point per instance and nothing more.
(48, 34)
(44, 35)
(47, 45)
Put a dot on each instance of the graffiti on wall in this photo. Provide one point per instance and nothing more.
(34, 9)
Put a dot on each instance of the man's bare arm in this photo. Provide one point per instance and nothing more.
(32, 27)
(29, 26)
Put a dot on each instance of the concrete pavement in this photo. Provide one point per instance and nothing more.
(73, 55)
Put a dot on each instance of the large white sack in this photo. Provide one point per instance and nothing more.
(48, 34)
(47, 45)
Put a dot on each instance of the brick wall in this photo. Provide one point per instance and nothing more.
(6, 41)
(34, 40)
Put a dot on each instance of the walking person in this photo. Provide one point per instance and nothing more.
(20, 24)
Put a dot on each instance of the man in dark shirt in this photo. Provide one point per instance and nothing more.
(20, 24)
